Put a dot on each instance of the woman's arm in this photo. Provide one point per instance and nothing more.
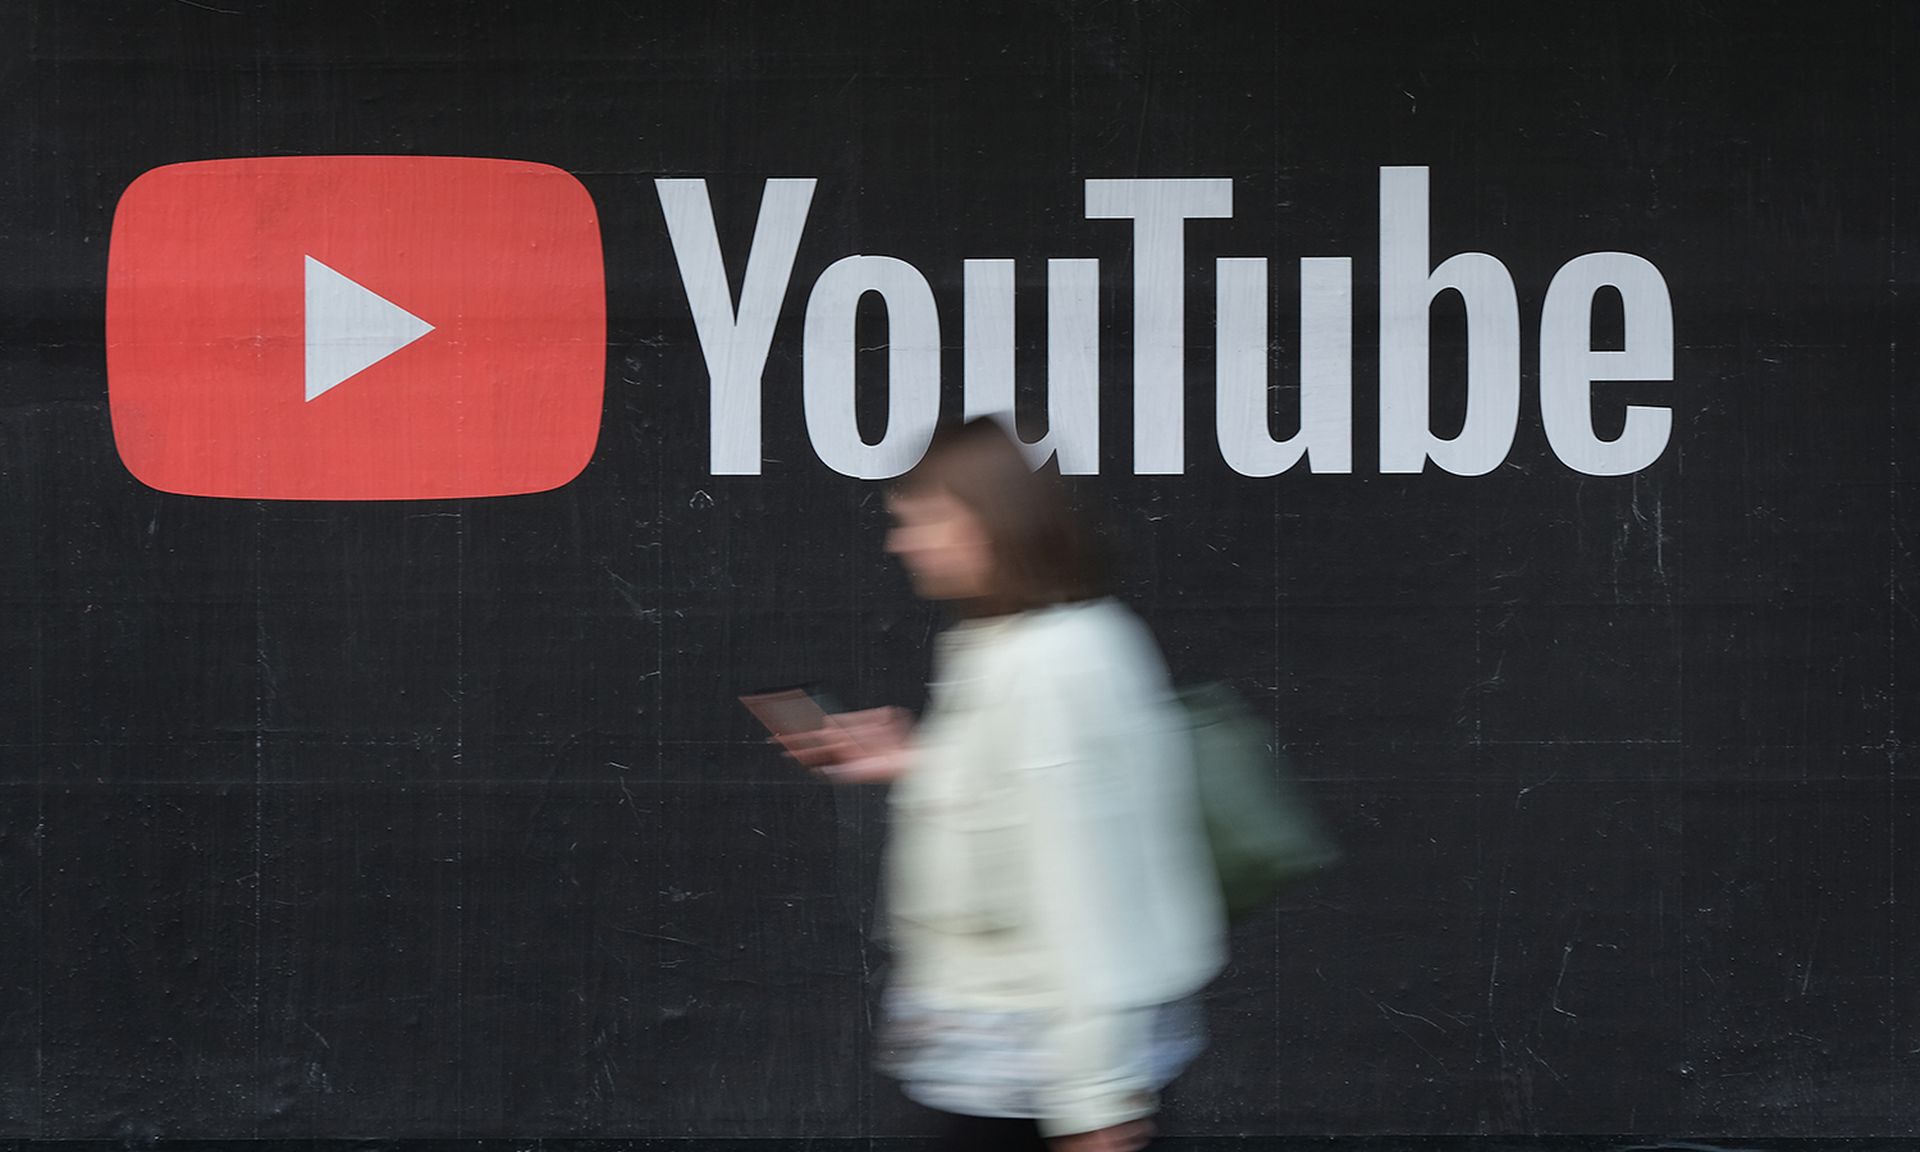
(874, 745)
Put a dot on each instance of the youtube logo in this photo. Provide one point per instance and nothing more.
(355, 327)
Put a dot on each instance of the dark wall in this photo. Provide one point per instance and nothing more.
(438, 818)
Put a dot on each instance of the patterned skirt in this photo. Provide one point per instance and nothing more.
(988, 1063)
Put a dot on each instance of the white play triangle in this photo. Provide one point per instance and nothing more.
(350, 329)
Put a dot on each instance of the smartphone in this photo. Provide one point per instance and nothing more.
(794, 708)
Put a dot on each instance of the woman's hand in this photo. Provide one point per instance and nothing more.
(1128, 1137)
(869, 746)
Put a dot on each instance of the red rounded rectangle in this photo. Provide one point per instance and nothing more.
(355, 327)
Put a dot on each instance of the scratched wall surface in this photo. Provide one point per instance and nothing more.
(431, 819)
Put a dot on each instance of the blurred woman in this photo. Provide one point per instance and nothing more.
(1049, 899)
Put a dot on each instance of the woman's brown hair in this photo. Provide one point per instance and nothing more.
(1042, 553)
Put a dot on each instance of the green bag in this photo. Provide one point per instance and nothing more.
(1263, 833)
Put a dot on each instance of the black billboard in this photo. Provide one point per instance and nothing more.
(418, 421)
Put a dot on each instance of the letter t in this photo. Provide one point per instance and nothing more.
(1159, 210)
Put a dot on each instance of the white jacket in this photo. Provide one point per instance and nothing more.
(1047, 852)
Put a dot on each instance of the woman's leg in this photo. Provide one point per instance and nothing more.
(989, 1134)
